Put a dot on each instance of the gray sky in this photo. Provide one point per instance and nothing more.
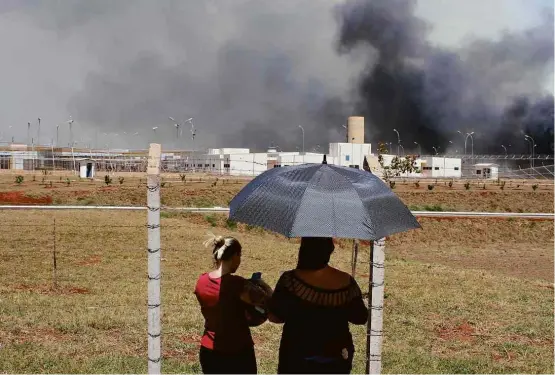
(124, 66)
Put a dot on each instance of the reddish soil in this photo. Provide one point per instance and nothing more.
(90, 261)
(50, 290)
(19, 197)
(190, 339)
(37, 335)
(461, 332)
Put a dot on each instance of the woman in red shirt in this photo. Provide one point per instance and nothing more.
(227, 345)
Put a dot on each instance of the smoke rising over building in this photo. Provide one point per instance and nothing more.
(494, 88)
(251, 71)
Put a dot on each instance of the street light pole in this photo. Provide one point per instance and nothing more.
(419, 148)
(38, 134)
(458, 131)
(28, 132)
(346, 133)
(57, 135)
(398, 141)
(435, 149)
(302, 129)
(533, 143)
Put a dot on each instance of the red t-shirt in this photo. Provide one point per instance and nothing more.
(226, 326)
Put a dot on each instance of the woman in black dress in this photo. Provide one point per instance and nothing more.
(316, 302)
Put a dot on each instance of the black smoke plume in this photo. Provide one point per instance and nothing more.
(427, 93)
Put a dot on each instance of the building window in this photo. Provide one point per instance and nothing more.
(213, 165)
(456, 168)
(277, 165)
(427, 168)
(347, 157)
(436, 168)
(478, 171)
(226, 165)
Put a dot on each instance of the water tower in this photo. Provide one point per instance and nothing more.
(355, 129)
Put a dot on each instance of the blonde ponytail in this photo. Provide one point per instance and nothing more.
(219, 244)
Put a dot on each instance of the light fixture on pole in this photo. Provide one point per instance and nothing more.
(398, 140)
(70, 122)
(38, 133)
(177, 126)
(346, 132)
(302, 129)
(533, 144)
(419, 148)
(436, 149)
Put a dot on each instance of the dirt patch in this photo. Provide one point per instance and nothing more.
(460, 332)
(18, 197)
(90, 261)
(35, 335)
(50, 290)
(190, 339)
(190, 355)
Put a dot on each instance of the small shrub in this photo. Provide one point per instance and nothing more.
(50, 183)
(431, 187)
(517, 186)
(183, 177)
(534, 187)
(417, 184)
(121, 179)
(435, 207)
(68, 181)
(61, 178)
(44, 172)
(43, 179)
(107, 180)
(211, 219)
(162, 184)
(450, 184)
(392, 184)
(467, 185)
(230, 224)
(34, 178)
(19, 179)
(484, 187)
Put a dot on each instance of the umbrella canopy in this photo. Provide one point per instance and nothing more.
(321, 200)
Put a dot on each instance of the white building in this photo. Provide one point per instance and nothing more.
(486, 171)
(439, 167)
(86, 168)
(349, 154)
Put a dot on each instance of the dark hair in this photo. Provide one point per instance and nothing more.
(315, 253)
(223, 248)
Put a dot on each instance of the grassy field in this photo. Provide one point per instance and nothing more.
(464, 296)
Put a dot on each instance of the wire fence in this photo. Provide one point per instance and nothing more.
(248, 166)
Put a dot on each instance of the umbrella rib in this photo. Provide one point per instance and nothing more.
(302, 195)
(356, 191)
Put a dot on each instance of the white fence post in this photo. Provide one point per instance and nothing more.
(154, 271)
(374, 326)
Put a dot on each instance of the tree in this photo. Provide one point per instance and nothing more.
(397, 166)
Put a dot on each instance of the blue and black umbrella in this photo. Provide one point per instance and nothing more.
(321, 200)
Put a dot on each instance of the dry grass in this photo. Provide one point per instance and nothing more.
(444, 313)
